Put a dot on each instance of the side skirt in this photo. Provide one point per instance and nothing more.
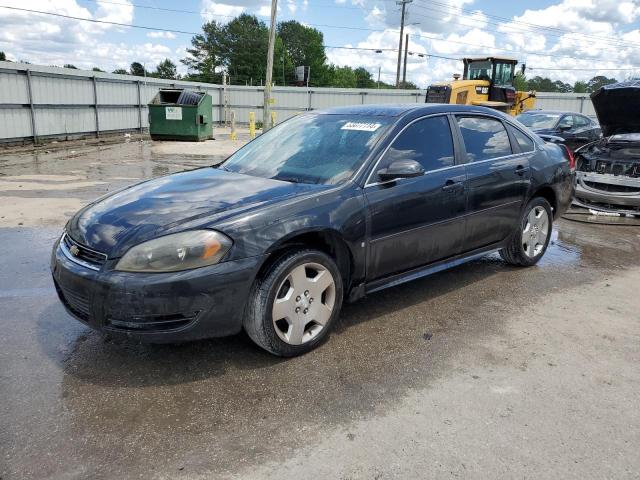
(400, 278)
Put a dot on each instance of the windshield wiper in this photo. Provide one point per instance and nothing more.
(293, 179)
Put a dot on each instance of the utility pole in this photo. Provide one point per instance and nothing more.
(379, 76)
(406, 49)
(404, 6)
(266, 110)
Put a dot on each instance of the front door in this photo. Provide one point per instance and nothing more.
(415, 221)
(497, 179)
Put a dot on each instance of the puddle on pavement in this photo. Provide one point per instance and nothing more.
(219, 399)
(226, 392)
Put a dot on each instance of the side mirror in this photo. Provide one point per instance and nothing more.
(401, 169)
(564, 128)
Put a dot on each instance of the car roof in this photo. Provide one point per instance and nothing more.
(398, 109)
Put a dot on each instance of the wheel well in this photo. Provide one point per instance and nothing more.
(549, 195)
(327, 242)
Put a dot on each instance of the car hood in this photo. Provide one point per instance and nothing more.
(617, 107)
(144, 211)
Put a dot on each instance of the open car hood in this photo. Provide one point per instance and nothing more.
(617, 107)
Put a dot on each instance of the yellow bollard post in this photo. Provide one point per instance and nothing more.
(273, 119)
(252, 125)
(234, 135)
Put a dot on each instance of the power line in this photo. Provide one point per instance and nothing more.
(185, 32)
(519, 22)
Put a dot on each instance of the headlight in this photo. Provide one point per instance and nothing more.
(180, 251)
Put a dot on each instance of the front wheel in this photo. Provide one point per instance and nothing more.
(529, 242)
(295, 303)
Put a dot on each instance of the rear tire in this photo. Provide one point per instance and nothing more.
(530, 239)
(304, 288)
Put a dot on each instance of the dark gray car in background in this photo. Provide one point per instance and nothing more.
(570, 128)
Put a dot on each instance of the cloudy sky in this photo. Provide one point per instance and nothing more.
(567, 40)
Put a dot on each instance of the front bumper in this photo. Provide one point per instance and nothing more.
(157, 307)
(607, 192)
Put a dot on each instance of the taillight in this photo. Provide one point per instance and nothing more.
(570, 157)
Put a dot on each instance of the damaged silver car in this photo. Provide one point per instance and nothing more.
(608, 170)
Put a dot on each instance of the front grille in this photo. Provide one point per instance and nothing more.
(608, 187)
(77, 302)
(81, 254)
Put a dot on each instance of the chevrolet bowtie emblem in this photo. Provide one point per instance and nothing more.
(74, 250)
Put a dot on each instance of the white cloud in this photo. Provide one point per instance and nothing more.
(53, 40)
(225, 11)
(450, 31)
(167, 35)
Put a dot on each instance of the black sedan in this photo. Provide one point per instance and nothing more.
(326, 207)
(574, 129)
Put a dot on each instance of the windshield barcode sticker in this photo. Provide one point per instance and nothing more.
(361, 126)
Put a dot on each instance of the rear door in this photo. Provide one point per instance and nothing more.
(415, 221)
(497, 179)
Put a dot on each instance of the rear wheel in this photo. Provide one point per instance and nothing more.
(295, 303)
(529, 242)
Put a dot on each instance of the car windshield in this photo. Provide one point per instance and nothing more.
(311, 148)
(538, 120)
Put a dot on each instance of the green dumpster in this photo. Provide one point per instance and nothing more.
(179, 114)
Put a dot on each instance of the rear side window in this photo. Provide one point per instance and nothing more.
(582, 121)
(525, 143)
(484, 138)
(427, 141)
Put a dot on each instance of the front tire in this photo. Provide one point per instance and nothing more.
(530, 240)
(295, 303)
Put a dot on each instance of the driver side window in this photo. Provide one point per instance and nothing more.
(566, 123)
(428, 142)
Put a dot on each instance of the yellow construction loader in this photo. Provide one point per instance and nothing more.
(487, 82)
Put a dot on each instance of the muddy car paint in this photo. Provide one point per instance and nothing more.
(261, 215)
(608, 171)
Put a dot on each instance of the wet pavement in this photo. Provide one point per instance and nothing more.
(482, 371)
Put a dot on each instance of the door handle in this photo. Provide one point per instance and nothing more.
(452, 185)
(521, 170)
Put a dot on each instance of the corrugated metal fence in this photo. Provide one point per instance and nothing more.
(39, 102)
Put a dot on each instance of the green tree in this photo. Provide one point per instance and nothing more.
(305, 47)
(343, 77)
(364, 79)
(245, 40)
(408, 85)
(580, 87)
(166, 69)
(120, 71)
(137, 69)
(205, 60)
(540, 84)
(520, 82)
(96, 69)
(3, 57)
(599, 81)
(562, 87)
(68, 65)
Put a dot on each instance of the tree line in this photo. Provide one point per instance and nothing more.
(239, 48)
(543, 84)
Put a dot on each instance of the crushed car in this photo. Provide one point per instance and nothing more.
(608, 170)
